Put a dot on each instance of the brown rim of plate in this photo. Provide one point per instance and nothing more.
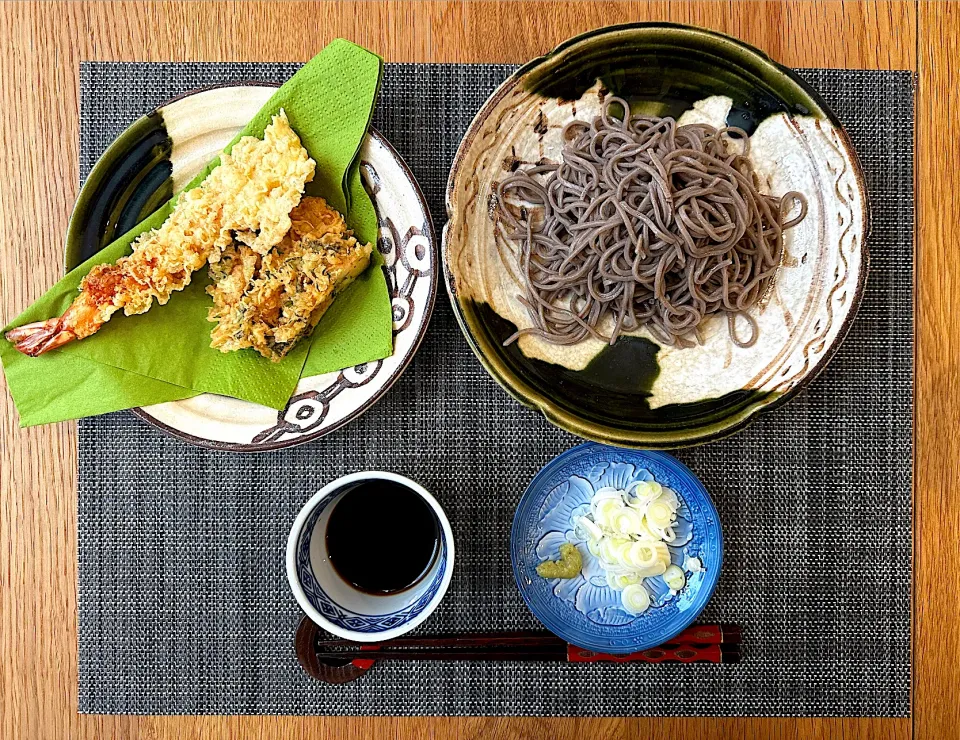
(673, 439)
(428, 310)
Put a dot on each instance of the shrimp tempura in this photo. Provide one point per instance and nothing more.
(247, 199)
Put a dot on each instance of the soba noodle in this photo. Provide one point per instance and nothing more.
(651, 223)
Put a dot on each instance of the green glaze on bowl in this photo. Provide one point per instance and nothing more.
(129, 182)
(668, 67)
(637, 393)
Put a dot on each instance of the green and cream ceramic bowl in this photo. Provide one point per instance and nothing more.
(636, 393)
(161, 152)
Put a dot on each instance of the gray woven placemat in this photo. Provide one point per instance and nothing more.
(184, 605)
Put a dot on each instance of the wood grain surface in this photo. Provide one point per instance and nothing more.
(42, 46)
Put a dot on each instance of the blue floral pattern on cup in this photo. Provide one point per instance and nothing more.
(584, 610)
(344, 618)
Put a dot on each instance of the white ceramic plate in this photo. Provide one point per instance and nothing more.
(198, 126)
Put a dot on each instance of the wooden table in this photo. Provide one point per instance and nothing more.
(42, 46)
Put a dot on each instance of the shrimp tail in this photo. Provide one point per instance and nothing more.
(41, 336)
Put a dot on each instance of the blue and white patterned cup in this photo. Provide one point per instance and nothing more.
(338, 607)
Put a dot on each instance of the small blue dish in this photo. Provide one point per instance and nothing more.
(584, 610)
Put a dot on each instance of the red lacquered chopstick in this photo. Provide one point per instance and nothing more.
(671, 653)
(719, 653)
(705, 643)
(700, 634)
(710, 634)
(469, 639)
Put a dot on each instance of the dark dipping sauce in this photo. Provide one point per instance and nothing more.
(382, 537)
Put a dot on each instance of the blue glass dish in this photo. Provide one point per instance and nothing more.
(584, 610)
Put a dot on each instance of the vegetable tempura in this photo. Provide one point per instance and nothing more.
(269, 302)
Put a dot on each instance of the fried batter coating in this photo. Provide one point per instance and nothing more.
(270, 302)
(247, 199)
